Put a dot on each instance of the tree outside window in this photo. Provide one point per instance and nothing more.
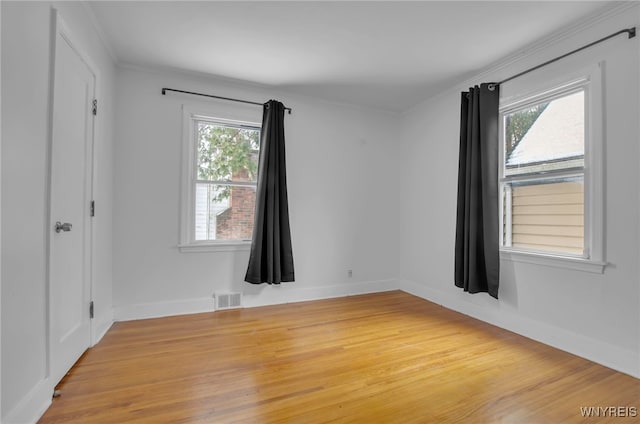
(227, 165)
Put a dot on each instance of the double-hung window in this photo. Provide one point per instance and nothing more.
(551, 174)
(220, 166)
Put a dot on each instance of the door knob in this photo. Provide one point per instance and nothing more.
(62, 227)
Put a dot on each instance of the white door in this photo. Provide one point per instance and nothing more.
(70, 226)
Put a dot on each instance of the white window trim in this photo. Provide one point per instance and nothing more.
(591, 80)
(216, 246)
(187, 242)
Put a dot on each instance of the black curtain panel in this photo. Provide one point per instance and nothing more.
(271, 258)
(477, 259)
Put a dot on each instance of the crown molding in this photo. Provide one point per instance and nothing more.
(538, 46)
(102, 35)
(559, 36)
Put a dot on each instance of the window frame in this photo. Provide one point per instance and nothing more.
(187, 242)
(545, 87)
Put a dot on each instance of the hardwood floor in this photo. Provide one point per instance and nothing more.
(379, 358)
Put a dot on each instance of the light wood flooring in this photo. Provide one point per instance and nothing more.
(378, 358)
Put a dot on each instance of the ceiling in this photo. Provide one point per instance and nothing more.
(390, 55)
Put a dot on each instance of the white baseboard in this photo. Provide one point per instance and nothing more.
(614, 357)
(32, 406)
(163, 309)
(99, 329)
(275, 295)
(269, 295)
(35, 403)
(603, 353)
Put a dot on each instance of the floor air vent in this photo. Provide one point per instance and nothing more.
(228, 300)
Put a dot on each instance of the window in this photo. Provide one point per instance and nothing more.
(219, 182)
(551, 174)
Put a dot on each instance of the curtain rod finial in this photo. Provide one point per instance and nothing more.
(164, 91)
(632, 32)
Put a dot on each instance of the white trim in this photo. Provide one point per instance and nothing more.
(284, 293)
(594, 350)
(594, 165)
(514, 62)
(59, 27)
(210, 118)
(547, 259)
(32, 406)
(561, 80)
(230, 246)
(163, 309)
(600, 352)
(104, 39)
(47, 201)
(100, 330)
(535, 96)
(268, 295)
(549, 176)
(186, 193)
(187, 242)
(506, 208)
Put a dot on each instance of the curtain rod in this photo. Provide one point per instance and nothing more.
(630, 31)
(164, 92)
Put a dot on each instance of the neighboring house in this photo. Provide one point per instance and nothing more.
(230, 218)
(555, 140)
(548, 214)
(207, 212)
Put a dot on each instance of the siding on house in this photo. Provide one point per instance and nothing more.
(549, 217)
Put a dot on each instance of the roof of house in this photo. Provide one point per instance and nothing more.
(557, 134)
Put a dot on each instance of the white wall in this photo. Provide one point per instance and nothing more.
(368, 191)
(638, 217)
(26, 58)
(0, 217)
(592, 315)
(343, 199)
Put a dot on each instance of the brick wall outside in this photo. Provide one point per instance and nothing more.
(237, 221)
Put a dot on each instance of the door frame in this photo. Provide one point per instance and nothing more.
(58, 26)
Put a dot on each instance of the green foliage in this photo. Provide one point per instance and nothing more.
(517, 124)
(227, 154)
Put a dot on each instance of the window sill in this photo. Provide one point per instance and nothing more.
(579, 264)
(221, 246)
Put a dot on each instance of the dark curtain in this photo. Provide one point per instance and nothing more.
(271, 258)
(477, 261)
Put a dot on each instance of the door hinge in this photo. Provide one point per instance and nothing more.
(95, 107)
(91, 309)
(93, 208)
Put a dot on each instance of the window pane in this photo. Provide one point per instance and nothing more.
(546, 137)
(227, 153)
(545, 215)
(224, 212)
